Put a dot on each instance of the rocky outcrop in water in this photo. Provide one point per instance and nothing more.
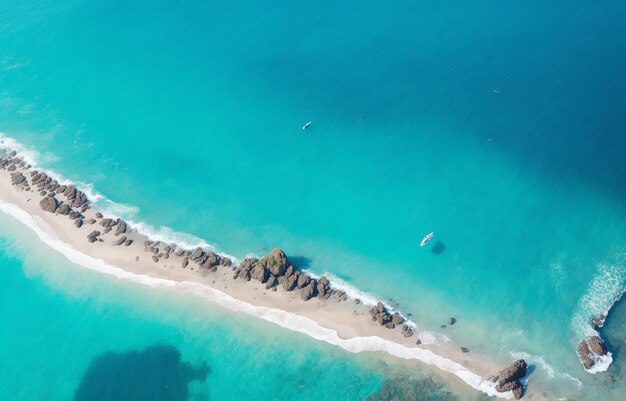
(590, 349)
(509, 379)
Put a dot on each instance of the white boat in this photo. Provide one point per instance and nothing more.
(426, 239)
(305, 126)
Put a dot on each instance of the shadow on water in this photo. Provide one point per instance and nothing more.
(154, 374)
(300, 262)
(438, 248)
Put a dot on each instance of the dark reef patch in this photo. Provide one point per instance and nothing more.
(410, 389)
(153, 374)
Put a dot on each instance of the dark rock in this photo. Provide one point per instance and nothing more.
(49, 204)
(107, 230)
(155, 259)
(108, 222)
(508, 379)
(93, 236)
(396, 318)
(70, 192)
(180, 252)
(64, 209)
(271, 281)
(128, 242)
(90, 221)
(43, 193)
(73, 215)
(407, 331)
(303, 280)
(78, 223)
(464, 350)
(198, 255)
(184, 262)
(390, 325)
(288, 283)
(289, 271)
(245, 268)
(451, 321)
(120, 240)
(589, 349)
(418, 342)
(598, 321)
(99, 215)
(596, 345)
(357, 301)
(259, 272)
(121, 228)
(308, 291)
(276, 261)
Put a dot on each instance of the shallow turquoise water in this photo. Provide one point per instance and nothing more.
(498, 126)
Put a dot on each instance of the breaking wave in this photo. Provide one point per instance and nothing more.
(606, 288)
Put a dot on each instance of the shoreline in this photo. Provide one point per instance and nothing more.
(332, 317)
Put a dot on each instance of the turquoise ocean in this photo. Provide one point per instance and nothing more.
(500, 126)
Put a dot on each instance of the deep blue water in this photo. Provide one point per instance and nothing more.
(500, 126)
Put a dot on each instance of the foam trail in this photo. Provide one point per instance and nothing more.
(279, 317)
(605, 290)
(549, 369)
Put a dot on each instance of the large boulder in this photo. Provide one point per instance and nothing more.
(121, 228)
(245, 268)
(64, 209)
(589, 350)
(303, 280)
(508, 379)
(49, 204)
(276, 262)
(259, 272)
(288, 283)
(308, 291)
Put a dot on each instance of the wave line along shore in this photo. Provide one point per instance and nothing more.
(269, 288)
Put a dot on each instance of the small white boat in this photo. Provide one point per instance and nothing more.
(426, 239)
(305, 126)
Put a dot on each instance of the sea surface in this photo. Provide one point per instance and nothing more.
(500, 126)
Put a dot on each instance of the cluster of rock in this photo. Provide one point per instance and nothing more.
(509, 379)
(275, 270)
(204, 259)
(10, 162)
(384, 317)
(590, 349)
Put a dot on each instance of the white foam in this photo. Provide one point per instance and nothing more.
(549, 369)
(110, 208)
(371, 300)
(606, 288)
(279, 317)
